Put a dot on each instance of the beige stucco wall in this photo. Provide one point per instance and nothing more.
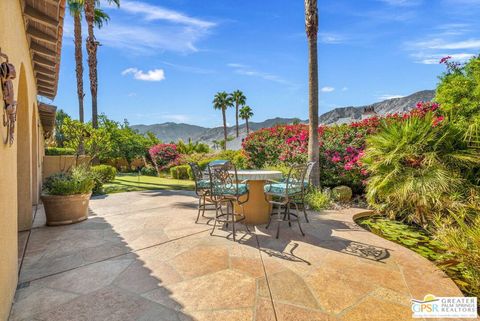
(16, 161)
(61, 163)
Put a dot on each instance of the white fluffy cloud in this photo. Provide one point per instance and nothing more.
(150, 75)
(327, 89)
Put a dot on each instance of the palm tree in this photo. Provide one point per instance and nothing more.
(92, 44)
(222, 101)
(246, 113)
(76, 8)
(311, 27)
(239, 98)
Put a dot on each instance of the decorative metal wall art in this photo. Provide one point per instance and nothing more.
(7, 73)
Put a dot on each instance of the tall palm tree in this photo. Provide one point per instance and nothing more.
(76, 8)
(246, 113)
(311, 27)
(222, 101)
(239, 98)
(92, 45)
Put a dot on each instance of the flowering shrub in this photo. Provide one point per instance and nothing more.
(164, 156)
(340, 146)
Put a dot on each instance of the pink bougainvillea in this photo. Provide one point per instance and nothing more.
(341, 147)
(164, 156)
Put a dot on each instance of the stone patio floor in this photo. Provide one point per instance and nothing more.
(140, 256)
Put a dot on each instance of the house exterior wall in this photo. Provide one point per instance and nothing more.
(20, 165)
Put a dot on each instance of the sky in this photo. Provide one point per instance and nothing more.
(164, 60)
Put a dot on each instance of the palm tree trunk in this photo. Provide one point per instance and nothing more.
(77, 30)
(92, 45)
(224, 129)
(248, 129)
(236, 116)
(311, 25)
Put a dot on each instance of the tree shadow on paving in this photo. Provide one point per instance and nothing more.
(86, 271)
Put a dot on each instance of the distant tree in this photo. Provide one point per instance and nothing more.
(95, 141)
(222, 101)
(246, 113)
(60, 118)
(311, 27)
(239, 99)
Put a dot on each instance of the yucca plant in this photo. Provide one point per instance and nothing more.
(416, 168)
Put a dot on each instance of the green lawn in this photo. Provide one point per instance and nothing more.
(134, 182)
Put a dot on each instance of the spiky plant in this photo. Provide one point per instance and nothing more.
(416, 169)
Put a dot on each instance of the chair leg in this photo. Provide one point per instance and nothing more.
(278, 220)
(243, 215)
(270, 218)
(215, 220)
(230, 204)
(204, 205)
(298, 219)
(305, 211)
(199, 208)
(288, 214)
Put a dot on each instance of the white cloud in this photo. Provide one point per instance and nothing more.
(444, 45)
(402, 3)
(150, 75)
(138, 28)
(331, 38)
(387, 97)
(327, 89)
(344, 88)
(434, 59)
(152, 13)
(245, 70)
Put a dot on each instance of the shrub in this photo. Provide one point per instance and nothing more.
(164, 156)
(416, 169)
(78, 181)
(342, 193)
(461, 238)
(180, 172)
(106, 173)
(55, 151)
(318, 200)
(149, 171)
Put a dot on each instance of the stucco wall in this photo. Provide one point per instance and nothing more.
(13, 42)
(61, 163)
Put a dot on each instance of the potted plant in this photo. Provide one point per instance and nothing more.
(65, 196)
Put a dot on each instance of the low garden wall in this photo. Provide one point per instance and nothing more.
(60, 163)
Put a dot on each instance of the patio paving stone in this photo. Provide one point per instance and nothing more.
(140, 256)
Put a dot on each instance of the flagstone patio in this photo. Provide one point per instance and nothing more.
(140, 256)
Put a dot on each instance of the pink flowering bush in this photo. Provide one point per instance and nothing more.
(341, 147)
(164, 156)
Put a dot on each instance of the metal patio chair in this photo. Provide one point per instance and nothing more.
(225, 189)
(289, 193)
(202, 189)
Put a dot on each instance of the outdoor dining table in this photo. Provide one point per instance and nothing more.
(257, 209)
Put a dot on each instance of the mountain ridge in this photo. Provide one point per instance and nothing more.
(171, 131)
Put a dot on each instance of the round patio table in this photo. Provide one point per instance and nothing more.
(257, 209)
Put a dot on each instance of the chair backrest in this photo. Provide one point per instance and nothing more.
(223, 175)
(197, 177)
(298, 177)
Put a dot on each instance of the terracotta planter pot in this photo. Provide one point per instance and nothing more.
(68, 209)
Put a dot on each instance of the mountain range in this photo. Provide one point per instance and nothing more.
(170, 131)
